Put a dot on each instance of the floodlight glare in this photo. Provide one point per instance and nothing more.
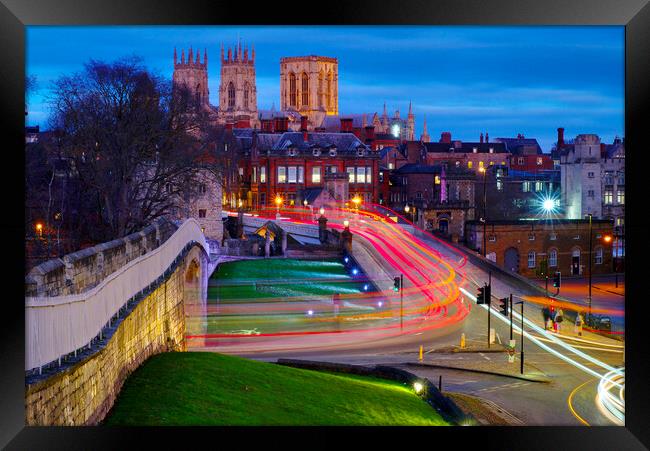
(548, 204)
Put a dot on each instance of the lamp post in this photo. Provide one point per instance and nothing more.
(39, 229)
(590, 250)
(305, 203)
(482, 169)
(407, 209)
(278, 202)
(522, 335)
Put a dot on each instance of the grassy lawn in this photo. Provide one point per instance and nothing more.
(279, 279)
(200, 388)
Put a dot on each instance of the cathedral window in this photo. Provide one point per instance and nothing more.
(329, 90)
(321, 88)
(305, 89)
(246, 89)
(231, 95)
(292, 89)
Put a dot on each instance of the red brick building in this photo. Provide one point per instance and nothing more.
(534, 248)
(526, 154)
(286, 164)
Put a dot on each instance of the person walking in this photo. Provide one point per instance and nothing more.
(578, 325)
(559, 317)
(552, 318)
(546, 314)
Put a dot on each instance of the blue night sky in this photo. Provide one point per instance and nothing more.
(465, 79)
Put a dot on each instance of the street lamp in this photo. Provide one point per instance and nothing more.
(322, 211)
(346, 223)
(590, 250)
(278, 202)
(482, 169)
(407, 209)
(39, 229)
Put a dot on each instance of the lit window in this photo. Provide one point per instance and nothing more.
(608, 197)
(531, 259)
(491, 163)
(361, 175)
(301, 174)
(469, 165)
(539, 186)
(553, 237)
(254, 180)
(491, 149)
(525, 187)
(282, 174)
(531, 237)
(590, 175)
(480, 164)
(315, 174)
(437, 180)
(539, 161)
(590, 193)
(262, 174)
(492, 238)
(620, 196)
(292, 174)
(391, 166)
(474, 150)
(368, 174)
(520, 161)
(350, 174)
(552, 258)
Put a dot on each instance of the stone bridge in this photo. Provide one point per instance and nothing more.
(94, 316)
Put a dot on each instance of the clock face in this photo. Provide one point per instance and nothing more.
(395, 130)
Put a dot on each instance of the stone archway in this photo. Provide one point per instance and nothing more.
(194, 287)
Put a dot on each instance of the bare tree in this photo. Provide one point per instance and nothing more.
(136, 141)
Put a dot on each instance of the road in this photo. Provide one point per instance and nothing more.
(438, 308)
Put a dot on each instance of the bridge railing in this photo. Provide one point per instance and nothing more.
(56, 326)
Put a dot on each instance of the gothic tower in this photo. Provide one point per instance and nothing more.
(237, 87)
(193, 74)
(425, 135)
(310, 86)
(410, 125)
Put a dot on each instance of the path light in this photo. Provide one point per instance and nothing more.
(322, 211)
(346, 223)
(379, 304)
(310, 312)
(607, 238)
(346, 259)
(418, 387)
(365, 287)
(355, 271)
(39, 229)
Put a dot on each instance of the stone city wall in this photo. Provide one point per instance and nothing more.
(84, 269)
(84, 393)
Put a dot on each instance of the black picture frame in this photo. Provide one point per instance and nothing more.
(633, 14)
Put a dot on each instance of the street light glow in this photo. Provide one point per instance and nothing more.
(548, 204)
(278, 200)
(407, 208)
(418, 387)
(322, 211)
(346, 223)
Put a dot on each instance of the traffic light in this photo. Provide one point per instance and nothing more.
(480, 296)
(488, 294)
(557, 280)
(396, 284)
(503, 306)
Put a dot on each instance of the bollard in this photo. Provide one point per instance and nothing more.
(420, 353)
(462, 341)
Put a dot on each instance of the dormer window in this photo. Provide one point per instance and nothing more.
(333, 152)
(292, 152)
(360, 152)
(316, 152)
(491, 149)
(474, 150)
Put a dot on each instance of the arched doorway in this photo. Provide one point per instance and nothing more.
(443, 226)
(575, 261)
(511, 259)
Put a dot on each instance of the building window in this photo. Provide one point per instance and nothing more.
(474, 150)
(254, 179)
(350, 174)
(202, 188)
(418, 195)
(553, 236)
(331, 169)
(301, 174)
(262, 174)
(531, 259)
(231, 95)
(481, 165)
(246, 95)
(315, 174)
(168, 188)
(620, 196)
(599, 256)
(539, 186)
(469, 165)
(590, 175)
(381, 177)
(305, 89)
(292, 89)
(608, 197)
(552, 258)
(202, 213)
(621, 178)
(368, 174)
(520, 161)
(525, 187)
(499, 185)
(491, 149)
(262, 198)
(590, 193)
(292, 174)
(391, 166)
(282, 174)
(321, 88)
(492, 238)
(539, 161)
(457, 164)
(241, 172)
(531, 237)
(361, 175)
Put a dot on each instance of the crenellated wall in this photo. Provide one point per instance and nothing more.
(84, 393)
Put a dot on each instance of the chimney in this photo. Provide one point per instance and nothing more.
(445, 137)
(481, 136)
(267, 126)
(281, 124)
(487, 137)
(303, 123)
(560, 137)
(346, 125)
(229, 125)
(370, 132)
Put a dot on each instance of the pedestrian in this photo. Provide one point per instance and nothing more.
(559, 317)
(552, 318)
(546, 314)
(578, 326)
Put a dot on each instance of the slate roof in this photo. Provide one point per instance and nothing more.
(516, 145)
(311, 194)
(415, 168)
(466, 147)
(333, 123)
(343, 142)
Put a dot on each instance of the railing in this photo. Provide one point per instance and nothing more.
(57, 326)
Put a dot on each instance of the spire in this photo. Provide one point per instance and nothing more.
(239, 56)
(198, 57)
(364, 120)
(205, 57)
(246, 54)
(189, 57)
(221, 51)
(183, 56)
(175, 56)
(397, 113)
(385, 114)
(410, 109)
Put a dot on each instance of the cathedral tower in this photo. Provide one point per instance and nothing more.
(237, 87)
(425, 135)
(410, 125)
(193, 74)
(310, 85)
